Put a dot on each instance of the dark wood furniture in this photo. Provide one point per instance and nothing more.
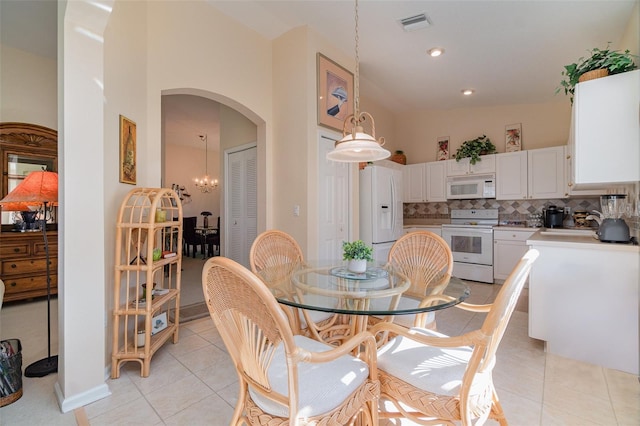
(22, 256)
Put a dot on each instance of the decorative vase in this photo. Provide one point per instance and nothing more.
(399, 158)
(357, 266)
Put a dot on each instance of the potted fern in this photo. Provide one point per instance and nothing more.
(474, 148)
(600, 63)
(358, 254)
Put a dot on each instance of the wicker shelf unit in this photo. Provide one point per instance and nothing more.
(149, 219)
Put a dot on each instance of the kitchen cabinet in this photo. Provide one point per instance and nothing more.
(508, 247)
(146, 290)
(424, 182)
(604, 131)
(583, 300)
(487, 164)
(532, 174)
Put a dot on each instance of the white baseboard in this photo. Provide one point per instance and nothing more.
(81, 399)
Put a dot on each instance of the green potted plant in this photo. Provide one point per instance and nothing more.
(474, 148)
(358, 254)
(600, 63)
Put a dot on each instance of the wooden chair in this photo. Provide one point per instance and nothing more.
(189, 236)
(213, 241)
(426, 259)
(431, 378)
(286, 379)
(274, 257)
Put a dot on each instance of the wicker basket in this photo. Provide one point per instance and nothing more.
(10, 371)
(591, 75)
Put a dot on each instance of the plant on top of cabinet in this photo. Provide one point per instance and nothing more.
(601, 63)
(475, 148)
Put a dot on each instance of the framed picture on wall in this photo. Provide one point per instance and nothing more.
(443, 148)
(513, 137)
(335, 93)
(127, 151)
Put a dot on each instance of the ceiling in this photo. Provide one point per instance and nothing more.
(509, 52)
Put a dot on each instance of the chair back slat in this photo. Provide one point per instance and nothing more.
(274, 256)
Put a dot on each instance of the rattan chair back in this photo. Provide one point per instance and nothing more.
(274, 256)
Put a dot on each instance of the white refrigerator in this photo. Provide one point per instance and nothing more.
(381, 222)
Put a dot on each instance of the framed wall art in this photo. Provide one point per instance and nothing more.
(513, 137)
(335, 93)
(443, 148)
(127, 151)
(158, 323)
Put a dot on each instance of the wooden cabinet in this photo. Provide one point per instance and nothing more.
(508, 247)
(424, 182)
(23, 264)
(532, 174)
(604, 131)
(146, 290)
(487, 164)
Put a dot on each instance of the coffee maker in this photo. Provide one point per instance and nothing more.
(553, 217)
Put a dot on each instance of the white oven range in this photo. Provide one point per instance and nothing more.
(470, 236)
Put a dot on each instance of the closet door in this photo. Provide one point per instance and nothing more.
(242, 204)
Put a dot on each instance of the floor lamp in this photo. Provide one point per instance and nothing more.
(38, 190)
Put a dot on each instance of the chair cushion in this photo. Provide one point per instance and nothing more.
(435, 370)
(405, 302)
(322, 386)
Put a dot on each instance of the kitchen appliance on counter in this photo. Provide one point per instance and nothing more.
(553, 217)
(611, 226)
(380, 209)
(580, 218)
(470, 236)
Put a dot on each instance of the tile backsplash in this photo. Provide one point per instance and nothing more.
(517, 210)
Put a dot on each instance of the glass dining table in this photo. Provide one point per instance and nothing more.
(351, 298)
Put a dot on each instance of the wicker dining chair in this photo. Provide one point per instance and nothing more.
(286, 379)
(274, 257)
(426, 259)
(431, 378)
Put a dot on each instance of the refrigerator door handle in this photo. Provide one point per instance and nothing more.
(393, 207)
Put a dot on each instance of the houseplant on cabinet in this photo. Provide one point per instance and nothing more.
(474, 148)
(600, 63)
(358, 254)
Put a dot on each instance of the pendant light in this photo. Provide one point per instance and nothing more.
(358, 146)
(206, 184)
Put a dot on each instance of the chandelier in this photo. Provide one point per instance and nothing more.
(205, 184)
(358, 146)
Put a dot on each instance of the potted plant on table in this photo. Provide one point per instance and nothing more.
(474, 148)
(358, 254)
(600, 63)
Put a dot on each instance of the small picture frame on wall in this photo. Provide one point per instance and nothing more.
(513, 137)
(128, 141)
(335, 93)
(443, 148)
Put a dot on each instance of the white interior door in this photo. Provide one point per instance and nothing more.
(241, 205)
(333, 201)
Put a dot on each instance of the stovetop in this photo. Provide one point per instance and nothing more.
(473, 217)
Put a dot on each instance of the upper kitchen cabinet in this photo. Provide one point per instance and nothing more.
(603, 141)
(487, 164)
(532, 174)
(424, 182)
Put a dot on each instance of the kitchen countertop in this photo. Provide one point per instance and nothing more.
(543, 238)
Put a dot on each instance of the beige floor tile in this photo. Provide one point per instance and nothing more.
(204, 358)
(187, 344)
(519, 411)
(577, 402)
(123, 391)
(230, 393)
(137, 412)
(200, 325)
(211, 411)
(173, 398)
(163, 374)
(219, 376)
(555, 417)
(567, 373)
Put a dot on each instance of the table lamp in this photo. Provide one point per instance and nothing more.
(39, 189)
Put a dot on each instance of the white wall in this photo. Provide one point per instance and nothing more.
(631, 36)
(28, 88)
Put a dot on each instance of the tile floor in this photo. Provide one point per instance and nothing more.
(194, 383)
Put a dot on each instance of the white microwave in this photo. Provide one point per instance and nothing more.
(470, 187)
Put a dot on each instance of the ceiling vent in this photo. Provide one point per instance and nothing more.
(416, 22)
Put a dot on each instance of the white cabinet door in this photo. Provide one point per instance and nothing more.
(546, 173)
(605, 130)
(436, 182)
(508, 248)
(511, 176)
(487, 164)
(413, 181)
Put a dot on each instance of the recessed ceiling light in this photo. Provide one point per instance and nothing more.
(435, 52)
(467, 92)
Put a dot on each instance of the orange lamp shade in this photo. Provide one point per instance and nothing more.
(36, 189)
(14, 207)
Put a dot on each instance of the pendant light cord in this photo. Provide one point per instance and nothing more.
(357, 82)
